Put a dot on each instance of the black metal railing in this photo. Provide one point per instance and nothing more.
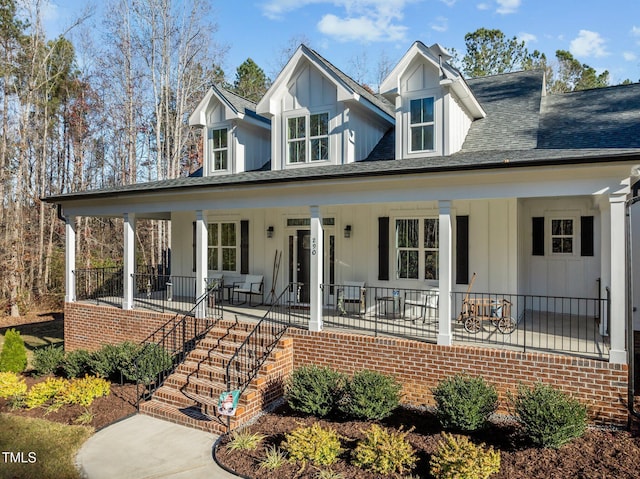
(245, 363)
(410, 313)
(102, 285)
(532, 322)
(168, 346)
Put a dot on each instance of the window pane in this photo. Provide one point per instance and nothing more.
(228, 234)
(296, 152)
(408, 264)
(319, 124)
(296, 127)
(422, 138)
(567, 245)
(431, 233)
(220, 138)
(212, 233)
(407, 233)
(220, 160)
(430, 265)
(320, 149)
(421, 111)
(212, 260)
(228, 259)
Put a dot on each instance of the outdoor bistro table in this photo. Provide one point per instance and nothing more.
(389, 306)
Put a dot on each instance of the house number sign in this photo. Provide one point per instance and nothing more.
(314, 246)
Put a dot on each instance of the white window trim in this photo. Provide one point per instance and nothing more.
(421, 248)
(307, 138)
(220, 247)
(575, 236)
(210, 150)
(403, 124)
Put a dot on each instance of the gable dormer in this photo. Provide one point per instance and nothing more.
(434, 107)
(236, 139)
(320, 116)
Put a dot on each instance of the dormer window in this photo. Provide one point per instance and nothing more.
(308, 138)
(219, 149)
(421, 124)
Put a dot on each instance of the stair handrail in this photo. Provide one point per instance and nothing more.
(180, 349)
(247, 361)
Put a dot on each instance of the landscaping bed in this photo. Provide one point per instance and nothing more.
(597, 454)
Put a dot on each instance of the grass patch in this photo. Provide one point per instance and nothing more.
(53, 445)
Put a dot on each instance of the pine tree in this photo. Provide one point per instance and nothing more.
(13, 357)
(251, 82)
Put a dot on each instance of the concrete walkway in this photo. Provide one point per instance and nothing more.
(142, 447)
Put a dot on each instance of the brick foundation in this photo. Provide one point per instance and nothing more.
(418, 366)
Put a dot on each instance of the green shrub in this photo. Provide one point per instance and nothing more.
(550, 418)
(370, 395)
(313, 444)
(458, 458)
(13, 357)
(12, 386)
(83, 391)
(150, 361)
(244, 441)
(47, 360)
(105, 361)
(464, 403)
(314, 390)
(76, 363)
(45, 392)
(384, 452)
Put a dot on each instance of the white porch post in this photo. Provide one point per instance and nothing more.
(605, 254)
(201, 262)
(444, 268)
(129, 260)
(617, 321)
(70, 260)
(317, 265)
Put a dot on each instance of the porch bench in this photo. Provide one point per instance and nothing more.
(353, 292)
(252, 285)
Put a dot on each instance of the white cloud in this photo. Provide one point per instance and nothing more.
(635, 31)
(588, 44)
(629, 56)
(483, 6)
(449, 3)
(527, 37)
(441, 24)
(508, 6)
(360, 29)
(364, 20)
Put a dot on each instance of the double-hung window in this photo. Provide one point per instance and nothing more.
(308, 138)
(417, 248)
(222, 247)
(219, 149)
(421, 124)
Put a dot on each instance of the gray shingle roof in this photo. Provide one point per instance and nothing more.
(522, 128)
(241, 104)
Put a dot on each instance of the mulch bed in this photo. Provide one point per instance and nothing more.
(106, 410)
(598, 454)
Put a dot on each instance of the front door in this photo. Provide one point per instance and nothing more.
(303, 266)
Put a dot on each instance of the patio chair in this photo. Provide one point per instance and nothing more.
(251, 286)
(423, 301)
(215, 282)
(352, 292)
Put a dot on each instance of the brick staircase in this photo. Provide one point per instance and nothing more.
(189, 396)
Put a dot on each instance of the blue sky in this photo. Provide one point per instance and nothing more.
(604, 35)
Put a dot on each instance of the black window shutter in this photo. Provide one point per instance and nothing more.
(462, 249)
(383, 248)
(586, 236)
(537, 236)
(193, 237)
(244, 246)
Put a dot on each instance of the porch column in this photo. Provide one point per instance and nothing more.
(317, 265)
(617, 320)
(129, 260)
(201, 262)
(605, 255)
(70, 260)
(444, 268)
